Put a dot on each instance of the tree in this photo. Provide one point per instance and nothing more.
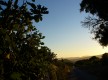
(23, 55)
(93, 58)
(99, 22)
(105, 59)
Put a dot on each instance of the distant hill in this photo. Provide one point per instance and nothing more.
(74, 59)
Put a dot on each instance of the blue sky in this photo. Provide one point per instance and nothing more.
(64, 33)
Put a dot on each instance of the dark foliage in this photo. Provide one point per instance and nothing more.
(23, 55)
(95, 66)
(95, 7)
(99, 23)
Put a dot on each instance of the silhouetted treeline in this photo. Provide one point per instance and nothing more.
(95, 66)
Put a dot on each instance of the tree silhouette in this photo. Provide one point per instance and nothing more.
(98, 23)
(105, 59)
(23, 55)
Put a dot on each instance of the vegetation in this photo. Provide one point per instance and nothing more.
(95, 66)
(98, 23)
(23, 55)
(60, 69)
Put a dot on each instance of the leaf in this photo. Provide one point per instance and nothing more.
(8, 56)
(33, 0)
(32, 5)
(1, 52)
(45, 12)
(36, 18)
(15, 4)
(8, 38)
(42, 43)
(1, 8)
(9, 4)
(3, 3)
(39, 6)
(40, 18)
(16, 76)
(44, 8)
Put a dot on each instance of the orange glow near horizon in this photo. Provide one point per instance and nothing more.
(81, 52)
(64, 33)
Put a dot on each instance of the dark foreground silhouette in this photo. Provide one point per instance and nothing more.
(77, 74)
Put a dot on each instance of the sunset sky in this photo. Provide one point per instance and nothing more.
(64, 33)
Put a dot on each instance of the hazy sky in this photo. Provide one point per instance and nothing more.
(64, 34)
